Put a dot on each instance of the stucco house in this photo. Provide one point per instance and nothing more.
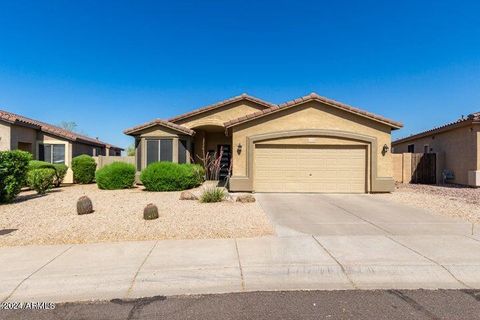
(310, 144)
(48, 142)
(458, 143)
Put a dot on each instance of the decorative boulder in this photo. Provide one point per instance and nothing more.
(187, 195)
(84, 205)
(150, 212)
(245, 198)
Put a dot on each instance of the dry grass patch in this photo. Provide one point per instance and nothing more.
(118, 216)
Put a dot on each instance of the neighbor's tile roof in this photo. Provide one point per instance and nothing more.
(473, 117)
(311, 97)
(51, 129)
(222, 103)
(160, 122)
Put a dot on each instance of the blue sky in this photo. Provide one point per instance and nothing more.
(109, 65)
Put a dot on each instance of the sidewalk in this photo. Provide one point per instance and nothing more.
(136, 269)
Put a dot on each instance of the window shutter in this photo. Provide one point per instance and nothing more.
(166, 150)
(139, 155)
(192, 152)
(152, 151)
(182, 151)
(41, 152)
(47, 153)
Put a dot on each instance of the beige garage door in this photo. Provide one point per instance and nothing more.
(329, 169)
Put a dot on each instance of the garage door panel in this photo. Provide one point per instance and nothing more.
(328, 169)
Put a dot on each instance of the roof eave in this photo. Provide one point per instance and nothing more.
(392, 125)
(446, 128)
(135, 130)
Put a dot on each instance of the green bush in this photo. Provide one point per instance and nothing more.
(169, 176)
(60, 173)
(213, 195)
(41, 180)
(60, 170)
(118, 175)
(13, 173)
(83, 168)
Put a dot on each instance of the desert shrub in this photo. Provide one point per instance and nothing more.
(118, 175)
(13, 173)
(213, 195)
(169, 176)
(41, 180)
(83, 168)
(60, 170)
(60, 173)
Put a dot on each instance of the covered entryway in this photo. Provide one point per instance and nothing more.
(310, 168)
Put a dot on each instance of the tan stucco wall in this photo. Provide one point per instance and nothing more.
(397, 165)
(51, 139)
(23, 134)
(460, 147)
(314, 115)
(478, 146)
(218, 117)
(159, 132)
(4, 136)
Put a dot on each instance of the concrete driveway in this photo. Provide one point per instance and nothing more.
(349, 214)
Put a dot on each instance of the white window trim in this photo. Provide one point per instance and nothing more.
(66, 144)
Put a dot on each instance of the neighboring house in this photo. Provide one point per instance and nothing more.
(310, 144)
(458, 143)
(47, 142)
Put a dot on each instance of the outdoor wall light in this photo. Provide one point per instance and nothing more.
(385, 149)
(239, 148)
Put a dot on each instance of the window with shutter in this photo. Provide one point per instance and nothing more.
(58, 153)
(47, 153)
(152, 151)
(182, 151)
(139, 155)
(166, 150)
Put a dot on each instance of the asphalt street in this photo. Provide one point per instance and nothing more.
(348, 304)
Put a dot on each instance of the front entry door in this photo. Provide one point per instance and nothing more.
(225, 160)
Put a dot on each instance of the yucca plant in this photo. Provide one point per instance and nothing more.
(213, 195)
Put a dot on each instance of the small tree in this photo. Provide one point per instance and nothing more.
(69, 125)
(131, 150)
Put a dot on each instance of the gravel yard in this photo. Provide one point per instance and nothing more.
(450, 200)
(118, 216)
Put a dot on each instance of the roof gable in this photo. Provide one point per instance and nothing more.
(313, 97)
(220, 104)
(161, 123)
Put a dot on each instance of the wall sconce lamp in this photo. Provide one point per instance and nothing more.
(239, 148)
(385, 149)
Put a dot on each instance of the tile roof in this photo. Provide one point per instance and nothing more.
(160, 122)
(313, 97)
(222, 103)
(51, 129)
(473, 117)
